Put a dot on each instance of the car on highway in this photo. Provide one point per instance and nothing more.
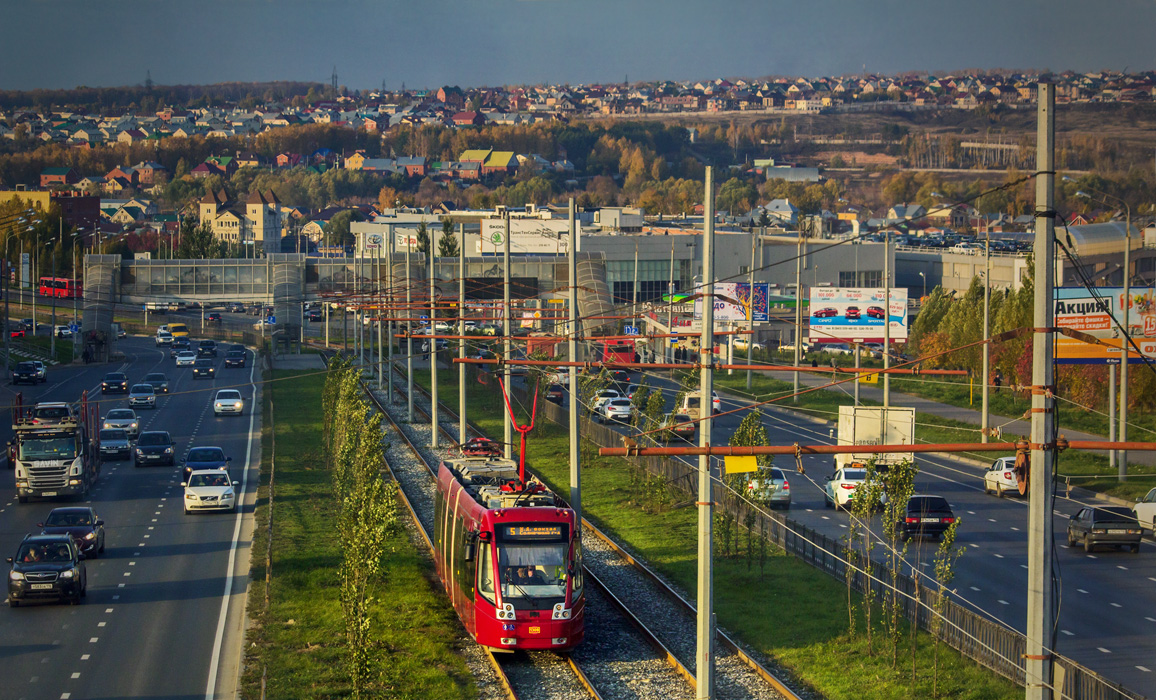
(852, 313)
(314, 315)
(123, 418)
(206, 369)
(836, 349)
(178, 346)
(114, 383)
(630, 389)
(213, 317)
(142, 395)
(25, 373)
(159, 381)
(715, 403)
(555, 393)
(603, 397)
(678, 426)
(41, 369)
(825, 312)
(50, 413)
(228, 402)
(114, 444)
(164, 338)
(236, 359)
(924, 516)
(840, 488)
(209, 490)
(620, 379)
(207, 348)
(47, 567)
(63, 331)
(186, 358)
(204, 458)
(1145, 510)
(178, 330)
(81, 522)
(1108, 526)
(154, 447)
(29, 325)
(770, 486)
(1000, 477)
(235, 307)
(621, 410)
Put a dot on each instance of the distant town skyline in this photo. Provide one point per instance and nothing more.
(68, 43)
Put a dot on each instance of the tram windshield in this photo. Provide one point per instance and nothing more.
(48, 448)
(532, 560)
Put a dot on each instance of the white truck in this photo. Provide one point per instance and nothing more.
(874, 425)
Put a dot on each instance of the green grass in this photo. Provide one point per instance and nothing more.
(300, 639)
(1090, 470)
(788, 610)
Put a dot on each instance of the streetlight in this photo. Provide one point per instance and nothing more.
(52, 294)
(924, 277)
(1122, 462)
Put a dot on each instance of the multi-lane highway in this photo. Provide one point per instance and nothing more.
(165, 606)
(1107, 615)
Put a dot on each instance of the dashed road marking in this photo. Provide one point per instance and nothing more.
(121, 585)
(84, 657)
(991, 520)
(1081, 590)
(1144, 669)
(101, 624)
(971, 512)
(997, 556)
(1115, 605)
(1103, 650)
(1023, 566)
(107, 610)
(974, 589)
(76, 675)
(1003, 602)
(1016, 529)
(1093, 556)
(93, 640)
(1067, 633)
(825, 517)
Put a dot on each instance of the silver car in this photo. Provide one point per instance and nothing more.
(114, 444)
(124, 419)
(186, 358)
(770, 486)
(616, 410)
(228, 402)
(142, 395)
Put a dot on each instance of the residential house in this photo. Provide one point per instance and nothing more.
(414, 166)
(256, 221)
(469, 119)
(58, 177)
(288, 160)
(149, 173)
(492, 162)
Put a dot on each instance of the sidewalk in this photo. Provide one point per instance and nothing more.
(1010, 426)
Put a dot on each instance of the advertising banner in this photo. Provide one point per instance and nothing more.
(527, 236)
(846, 314)
(1101, 314)
(732, 301)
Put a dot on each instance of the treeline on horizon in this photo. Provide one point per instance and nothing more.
(149, 97)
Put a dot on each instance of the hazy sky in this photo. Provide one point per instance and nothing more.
(429, 43)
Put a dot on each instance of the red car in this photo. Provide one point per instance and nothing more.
(16, 333)
(827, 312)
(875, 312)
(481, 447)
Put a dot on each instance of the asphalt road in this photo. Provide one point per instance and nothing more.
(165, 606)
(1107, 615)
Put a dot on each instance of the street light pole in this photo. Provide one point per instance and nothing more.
(986, 371)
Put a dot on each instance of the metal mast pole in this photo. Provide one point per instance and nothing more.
(572, 346)
(1112, 413)
(507, 427)
(433, 347)
(986, 371)
(1122, 462)
(798, 312)
(380, 296)
(669, 305)
(1038, 659)
(704, 654)
(634, 287)
(461, 331)
(751, 310)
(391, 326)
(408, 331)
(887, 322)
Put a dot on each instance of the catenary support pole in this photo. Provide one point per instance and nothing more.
(408, 331)
(379, 296)
(462, 421)
(433, 343)
(1122, 461)
(751, 310)
(669, 306)
(798, 311)
(391, 329)
(1112, 413)
(704, 654)
(887, 322)
(858, 360)
(1041, 613)
(572, 347)
(507, 427)
(985, 374)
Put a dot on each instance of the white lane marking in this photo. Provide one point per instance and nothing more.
(116, 597)
(1016, 529)
(1152, 578)
(997, 556)
(76, 675)
(66, 696)
(1150, 619)
(121, 585)
(151, 528)
(132, 563)
(1003, 602)
(218, 642)
(146, 537)
(107, 610)
(139, 544)
(1081, 590)
(1145, 670)
(974, 589)
(1115, 605)
(991, 520)
(84, 657)
(971, 512)
(808, 509)
(93, 640)
(1121, 567)
(973, 544)
(1103, 650)
(822, 516)
(1093, 556)
(101, 624)
(842, 526)
(1023, 566)
(1067, 633)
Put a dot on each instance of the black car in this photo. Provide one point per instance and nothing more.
(235, 358)
(314, 315)
(159, 381)
(47, 567)
(178, 345)
(207, 348)
(213, 317)
(79, 521)
(555, 392)
(620, 379)
(925, 516)
(26, 372)
(154, 447)
(236, 307)
(1114, 526)
(114, 383)
(204, 368)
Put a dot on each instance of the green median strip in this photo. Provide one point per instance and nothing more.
(414, 633)
(775, 603)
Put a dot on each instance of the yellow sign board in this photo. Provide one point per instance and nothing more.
(739, 465)
(869, 378)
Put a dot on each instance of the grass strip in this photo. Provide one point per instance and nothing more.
(775, 603)
(301, 638)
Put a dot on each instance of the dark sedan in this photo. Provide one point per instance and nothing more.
(213, 317)
(158, 380)
(201, 458)
(207, 348)
(925, 516)
(555, 392)
(179, 345)
(79, 521)
(26, 372)
(235, 358)
(1111, 526)
(154, 447)
(204, 368)
(114, 383)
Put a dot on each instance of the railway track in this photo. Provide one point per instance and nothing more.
(641, 594)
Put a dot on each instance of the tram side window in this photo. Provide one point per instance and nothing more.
(485, 572)
(576, 563)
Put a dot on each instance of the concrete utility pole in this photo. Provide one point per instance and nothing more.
(433, 346)
(1122, 462)
(408, 331)
(1041, 613)
(1112, 413)
(670, 305)
(380, 297)
(507, 426)
(572, 347)
(798, 312)
(462, 422)
(704, 654)
(985, 375)
(751, 310)
(886, 324)
(391, 326)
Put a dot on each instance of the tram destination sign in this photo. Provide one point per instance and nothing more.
(533, 532)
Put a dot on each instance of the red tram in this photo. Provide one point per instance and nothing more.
(509, 556)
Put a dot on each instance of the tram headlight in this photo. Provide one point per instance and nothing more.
(561, 612)
(506, 612)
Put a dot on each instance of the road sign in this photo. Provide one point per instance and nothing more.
(630, 330)
(423, 320)
(740, 464)
(271, 319)
(870, 378)
(74, 328)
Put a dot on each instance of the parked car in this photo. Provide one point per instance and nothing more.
(186, 358)
(836, 349)
(209, 490)
(114, 444)
(202, 458)
(81, 522)
(114, 383)
(314, 315)
(770, 486)
(142, 395)
(206, 369)
(841, 486)
(678, 426)
(741, 344)
(159, 381)
(1114, 526)
(236, 358)
(1000, 477)
(925, 516)
(480, 447)
(63, 332)
(154, 447)
(1145, 510)
(615, 410)
(47, 566)
(228, 402)
(603, 397)
(123, 419)
(25, 373)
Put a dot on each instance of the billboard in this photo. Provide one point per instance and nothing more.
(846, 314)
(732, 301)
(527, 236)
(1101, 315)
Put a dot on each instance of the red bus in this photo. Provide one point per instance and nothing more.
(60, 287)
(616, 351)
(509, 556)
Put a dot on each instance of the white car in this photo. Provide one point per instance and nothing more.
(741, 344)
(164, 338)
(186, 358)
(41, 370)
(228, 402)
(63, 332)
(1145, 510)
(442, 327)
(837, 349)
(209, 489)
(967, 249)
(615, 410)
(841, 487)
(123, 419)
(715, 402)
(603, 397)
(1000, 477)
